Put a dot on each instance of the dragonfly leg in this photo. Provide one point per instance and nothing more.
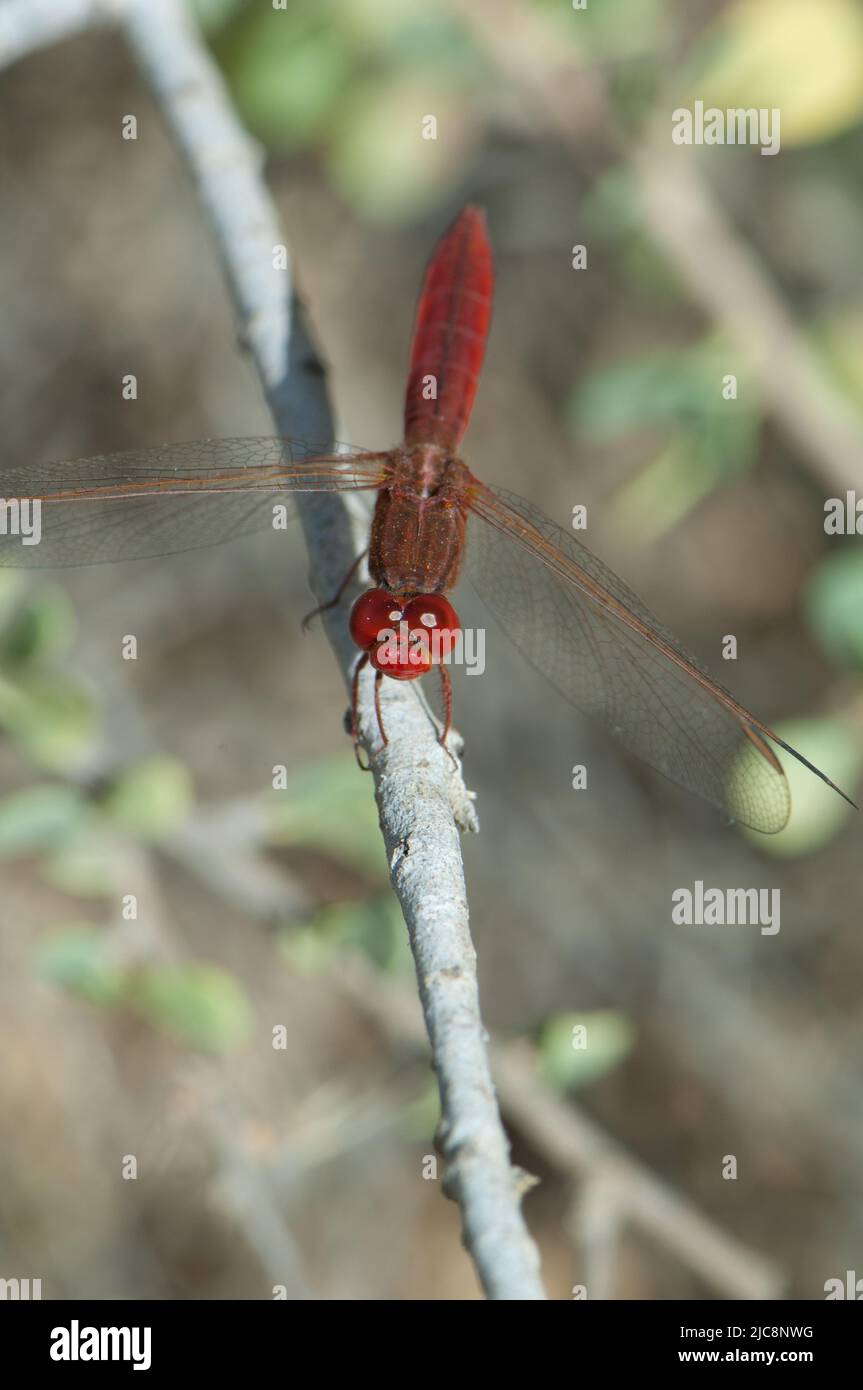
(379, 676)
(337, 596)
(446, 691)
(355, 711)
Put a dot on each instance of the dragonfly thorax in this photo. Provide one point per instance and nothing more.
(418, 528)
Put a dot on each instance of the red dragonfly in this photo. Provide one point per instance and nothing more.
(574, 620)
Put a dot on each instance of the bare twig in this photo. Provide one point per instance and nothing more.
(724, 277)
(244, 1187)
(27, 25)
(574, 1142)
(422, 801)
(594, 1221)
(620, 1190)
(222, 847)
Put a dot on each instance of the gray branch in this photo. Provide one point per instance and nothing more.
(28, 25)
(618, 1190)
(421, 797)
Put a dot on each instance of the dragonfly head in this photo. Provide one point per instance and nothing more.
(404, 637)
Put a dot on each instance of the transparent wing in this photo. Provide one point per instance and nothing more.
(594, 640)
(159, 501)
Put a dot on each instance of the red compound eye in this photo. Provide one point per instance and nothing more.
(435, 617)
(374, 612)
(402, 656)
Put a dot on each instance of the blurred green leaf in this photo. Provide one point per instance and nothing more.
(380, 23)
(326, 806)
(682, 387)
(712, 440)
(612, 206)
(575, 1049)
(36, 818)
(817, 813)
(661, 495)
(613, 213)
(150, 798)
(804, 58)
(85, 863)
(13, 584)
(839, 338)
(833, 605)
(40, 630)
(375, 930)
(288, 71)
(48, 717)
(306, 951)
(357, 80)
(78, 959)
(611, 29)
(198, 1004)
(212, 14)
(377, 156)
(649, 390)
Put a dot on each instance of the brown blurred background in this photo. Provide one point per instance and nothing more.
(153, 1037)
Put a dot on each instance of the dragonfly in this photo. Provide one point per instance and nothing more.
(573, 619)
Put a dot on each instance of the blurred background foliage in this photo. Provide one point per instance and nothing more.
(603, 387)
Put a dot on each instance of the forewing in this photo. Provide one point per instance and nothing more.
(159, 501)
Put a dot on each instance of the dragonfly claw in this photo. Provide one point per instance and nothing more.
(450, 754)
(363, 766)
